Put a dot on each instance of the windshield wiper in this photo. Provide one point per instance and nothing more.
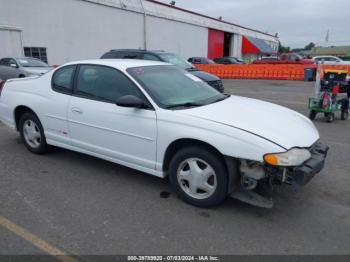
(221, 98)
(187, 104)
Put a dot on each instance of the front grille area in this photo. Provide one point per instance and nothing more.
(217, 84)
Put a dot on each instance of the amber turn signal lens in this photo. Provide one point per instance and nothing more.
(271, 159)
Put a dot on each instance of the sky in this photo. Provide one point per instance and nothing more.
(297, 22)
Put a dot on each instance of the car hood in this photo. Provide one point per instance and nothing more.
(204, 76)
(37, 70)
(275, 123)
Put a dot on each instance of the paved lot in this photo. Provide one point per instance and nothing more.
(82, 205)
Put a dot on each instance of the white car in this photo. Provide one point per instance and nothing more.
(330, 60)
(161, 120)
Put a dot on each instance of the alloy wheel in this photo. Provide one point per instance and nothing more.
(197, 178)
(31, 133)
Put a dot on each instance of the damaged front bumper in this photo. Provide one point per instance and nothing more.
(258, 182)
(301, 175)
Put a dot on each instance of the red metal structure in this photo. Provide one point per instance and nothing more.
(248, 47)
(215, 43)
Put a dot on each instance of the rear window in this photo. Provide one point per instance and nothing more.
(111, 55)
(126, 55)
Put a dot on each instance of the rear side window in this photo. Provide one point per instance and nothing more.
(62, 80)
(331, 59)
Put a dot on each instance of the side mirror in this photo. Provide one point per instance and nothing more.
(13, 65)
(130, 101)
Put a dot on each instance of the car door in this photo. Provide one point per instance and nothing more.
(98, 125)
(55, 123)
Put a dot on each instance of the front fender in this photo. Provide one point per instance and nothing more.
(227, 140)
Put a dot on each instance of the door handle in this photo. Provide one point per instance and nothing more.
(77, 110)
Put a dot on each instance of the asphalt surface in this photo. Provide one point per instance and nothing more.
(83, 205)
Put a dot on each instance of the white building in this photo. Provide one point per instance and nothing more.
(64, 30)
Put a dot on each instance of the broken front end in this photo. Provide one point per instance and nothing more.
(258, 180)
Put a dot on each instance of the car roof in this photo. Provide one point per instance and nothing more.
(319, 56)
(122, 64)
(140, 51)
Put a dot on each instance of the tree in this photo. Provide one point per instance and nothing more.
(309, 46)
(283, 49)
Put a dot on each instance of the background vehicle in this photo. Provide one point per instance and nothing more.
(200, 60)
(287, 58)
(22, 67)
(228, 60)
(330, 60)
(156, 118)
(273, 58)
(167, 57)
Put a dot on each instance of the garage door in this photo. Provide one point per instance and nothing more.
(11, 44)
(215, 43)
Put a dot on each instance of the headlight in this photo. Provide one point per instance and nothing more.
(293, 157)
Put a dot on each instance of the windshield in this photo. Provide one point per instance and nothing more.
(176, 60)
(31, 62)
(171, 87)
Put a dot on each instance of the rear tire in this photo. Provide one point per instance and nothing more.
(312, 114)
(32, 133)
(199, 177)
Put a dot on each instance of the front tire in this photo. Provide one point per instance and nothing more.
(32, 133)
(199, 177)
